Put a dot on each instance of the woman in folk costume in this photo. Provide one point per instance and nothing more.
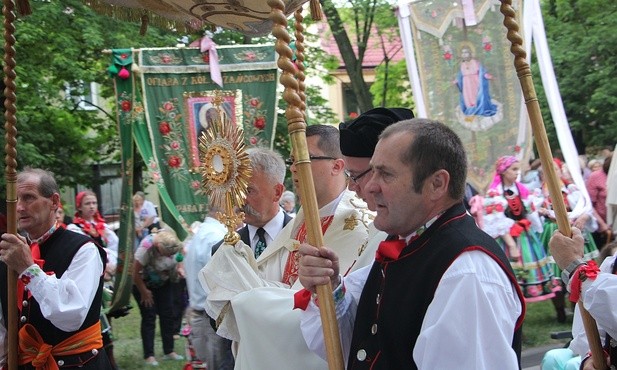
(580, 215)
(531, 265)
(88, 221)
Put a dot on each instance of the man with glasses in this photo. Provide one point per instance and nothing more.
(358, 140)
(263, 314)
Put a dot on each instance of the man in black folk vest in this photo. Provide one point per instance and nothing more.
(441, 293)
(59, 284)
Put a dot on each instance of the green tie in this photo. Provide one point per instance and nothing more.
(261, 242)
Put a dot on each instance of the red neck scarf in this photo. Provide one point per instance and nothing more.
(95, 230)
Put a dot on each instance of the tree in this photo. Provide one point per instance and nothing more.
(59, 49)
(364, 15)
(583, 42)
(392, 87)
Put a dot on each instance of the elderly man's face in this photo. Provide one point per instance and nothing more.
(262, 199)
(35, 213)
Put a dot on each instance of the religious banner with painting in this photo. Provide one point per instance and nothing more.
(468, 79)
(164, 100)
(178, 103)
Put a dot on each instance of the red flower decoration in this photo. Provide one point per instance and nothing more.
(126, 105)
(447, 55)
(353, 115)
(166, 59)
(488, 46)
(259, 123)
(206, 57)
(175, 145)
(124, 56)
(168, 106)
(254, 102)
(517, 149)
(253, 140)
(164, 128)
(195, 184)
(174, 161)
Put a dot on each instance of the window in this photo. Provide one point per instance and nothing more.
(84, 95)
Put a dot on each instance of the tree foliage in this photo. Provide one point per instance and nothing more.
(392, 87)
(582, 41)
(61, 44)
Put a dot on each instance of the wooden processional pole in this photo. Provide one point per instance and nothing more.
(297, 131)
(10, 148)
(546, 158)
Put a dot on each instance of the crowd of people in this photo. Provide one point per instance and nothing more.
(403, 232)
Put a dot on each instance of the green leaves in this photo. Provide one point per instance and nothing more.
(61, 44)
(582, 41)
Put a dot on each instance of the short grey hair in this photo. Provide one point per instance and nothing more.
(269, 162)
(47, 183)
(288, 196)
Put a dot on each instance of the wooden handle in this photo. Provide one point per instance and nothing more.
(546, 158)
(296, 126)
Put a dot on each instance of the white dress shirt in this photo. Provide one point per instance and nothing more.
(477, 336)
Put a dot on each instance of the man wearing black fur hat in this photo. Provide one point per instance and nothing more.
(358, 138)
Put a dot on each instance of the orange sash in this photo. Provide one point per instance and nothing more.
(33, 350)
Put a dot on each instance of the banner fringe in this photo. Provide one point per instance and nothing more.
(137, 16)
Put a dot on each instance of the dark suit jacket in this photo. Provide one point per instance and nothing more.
(244, 233)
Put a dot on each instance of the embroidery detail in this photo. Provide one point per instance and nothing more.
(350, 223)
(362, 247)
(30, 273)
(339, 293)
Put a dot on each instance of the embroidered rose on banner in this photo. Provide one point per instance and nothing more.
(125, 107)
(154, 173)
(164, 128)
(254, 121)
(260, 123)
(170, 127)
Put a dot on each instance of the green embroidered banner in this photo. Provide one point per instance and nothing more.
(124, 103)
(163, 100)
(469, 82)
(178, 94)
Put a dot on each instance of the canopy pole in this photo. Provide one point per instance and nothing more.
(10, 170)
(546, 158)
(297, 131)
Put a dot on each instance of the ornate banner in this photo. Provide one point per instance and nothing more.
(468, 80)
(163, 109)
(178, 94)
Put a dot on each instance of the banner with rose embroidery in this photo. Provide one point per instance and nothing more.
(177, 99)
(468, 80)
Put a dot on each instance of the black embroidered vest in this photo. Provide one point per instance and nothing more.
(58, 252)
(397, 293)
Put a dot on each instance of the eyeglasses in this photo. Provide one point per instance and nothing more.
(356, 178)
(290, 161)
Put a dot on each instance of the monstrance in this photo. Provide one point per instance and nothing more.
(225, 169)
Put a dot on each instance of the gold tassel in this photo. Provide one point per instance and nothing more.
(23, 7)
(316, 10)
(144, 25)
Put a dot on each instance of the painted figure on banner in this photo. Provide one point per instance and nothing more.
(477, 111)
